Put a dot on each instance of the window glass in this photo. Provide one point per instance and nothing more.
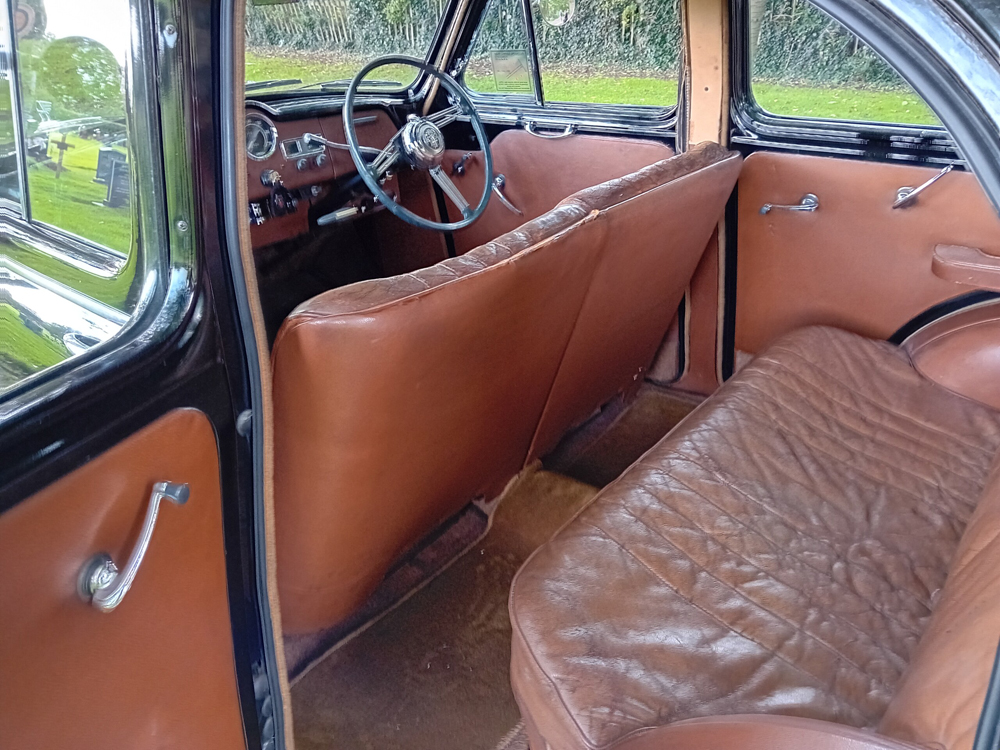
(64, 292)
(594, 51)
(10, 187)
(71, 59)
(806, 64)
(315, 41)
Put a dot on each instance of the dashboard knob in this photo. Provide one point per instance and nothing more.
(302, 165)
(320, 161)
(270, 177)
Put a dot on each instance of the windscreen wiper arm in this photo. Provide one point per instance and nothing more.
(272, 84)
(342, 84)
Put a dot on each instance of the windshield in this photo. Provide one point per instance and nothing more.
(318, 41)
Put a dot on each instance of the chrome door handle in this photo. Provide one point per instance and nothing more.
(809, 202)
(906, 195)
(100, 582)
(498, 182)
(531, 126)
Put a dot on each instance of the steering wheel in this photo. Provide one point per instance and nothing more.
(420, 145)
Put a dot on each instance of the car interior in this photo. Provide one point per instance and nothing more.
(590, 433)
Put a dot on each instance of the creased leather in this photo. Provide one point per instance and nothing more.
(942, 692)
(747, 732)
(780, 552)
(399, 400)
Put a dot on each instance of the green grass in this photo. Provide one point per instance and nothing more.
(72, 202)
(845, 104)
(24, 351)
(801, 101)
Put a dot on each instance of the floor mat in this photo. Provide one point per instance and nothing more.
(433, 674)
(602, 448)
(405, 579)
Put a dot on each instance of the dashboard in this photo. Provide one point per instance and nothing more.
(289, 174)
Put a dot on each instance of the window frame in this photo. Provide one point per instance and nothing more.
(520, 110)
(753, 126)
(163, 212)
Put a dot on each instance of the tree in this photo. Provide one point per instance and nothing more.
(83, 77)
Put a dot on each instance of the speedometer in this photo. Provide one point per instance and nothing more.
(262, 136)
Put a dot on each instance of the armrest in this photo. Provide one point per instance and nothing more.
(753, 732)
(966, 265)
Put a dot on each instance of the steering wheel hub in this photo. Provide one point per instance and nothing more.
(422, 142)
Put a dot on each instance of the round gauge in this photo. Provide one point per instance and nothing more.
(262, 136)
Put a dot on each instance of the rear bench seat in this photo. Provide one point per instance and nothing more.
(783, 551)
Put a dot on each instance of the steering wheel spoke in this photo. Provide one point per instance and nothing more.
(385, 160)
(451, 190)
(445, 116)
(420, 145)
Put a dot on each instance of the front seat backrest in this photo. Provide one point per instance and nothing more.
(399, 400)
(659, 221)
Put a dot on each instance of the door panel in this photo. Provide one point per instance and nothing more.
(157, 671)
(856, 262)
(540, 172)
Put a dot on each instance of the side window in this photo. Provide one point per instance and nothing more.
(70, 258)
(806, 64)
(589, 51)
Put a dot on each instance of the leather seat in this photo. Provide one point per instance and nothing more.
(399, 400)
(782, 551)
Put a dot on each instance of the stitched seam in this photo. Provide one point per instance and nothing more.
(826, 646)
(874, 607)
(879, 482)
(789, 431)
(727, 626)
(881, 407)
(901, 415)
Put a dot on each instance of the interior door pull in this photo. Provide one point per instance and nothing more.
(906, 195)
(498, 184)
(809, 202)
(101, 583)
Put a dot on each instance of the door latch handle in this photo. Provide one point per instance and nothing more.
(498, 182)
(809, 202)
(101, 583)
(906, 195)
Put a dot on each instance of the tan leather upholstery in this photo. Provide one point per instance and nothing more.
(778, 553)
(962, 352)
(540, 172)
(743, 732)
(158, 671)
(399, 400)
(855, 263)
(659, 221)
(941, 694)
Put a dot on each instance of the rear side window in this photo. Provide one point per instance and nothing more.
(806, 64)
(608, 52)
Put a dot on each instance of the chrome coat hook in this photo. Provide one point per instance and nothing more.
(101, 583)
(809, 202)
(906, 195)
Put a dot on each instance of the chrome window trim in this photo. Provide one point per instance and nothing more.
(155, 108)
(15, 109)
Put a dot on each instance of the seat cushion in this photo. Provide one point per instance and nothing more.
(778, 553)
